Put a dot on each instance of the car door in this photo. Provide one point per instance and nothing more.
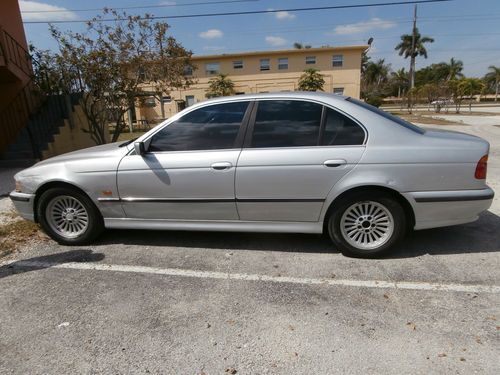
(294, 153)
(188, 170)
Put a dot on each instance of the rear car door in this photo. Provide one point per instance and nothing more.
(294, 153)
(188, 170)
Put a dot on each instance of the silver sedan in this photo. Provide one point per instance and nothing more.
(283, 162)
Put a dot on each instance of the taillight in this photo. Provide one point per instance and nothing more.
(481, 167)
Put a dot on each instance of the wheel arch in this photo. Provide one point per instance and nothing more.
(51, 185)
(408, 209)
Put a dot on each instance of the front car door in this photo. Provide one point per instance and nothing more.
(188, 170)
(294, 153)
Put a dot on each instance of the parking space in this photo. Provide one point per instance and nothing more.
(219, 303)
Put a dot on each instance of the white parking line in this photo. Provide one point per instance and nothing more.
(408, 285)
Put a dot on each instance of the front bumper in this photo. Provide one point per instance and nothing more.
(442, 208)
(24, 204)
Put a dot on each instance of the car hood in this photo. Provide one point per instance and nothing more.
(103, 151)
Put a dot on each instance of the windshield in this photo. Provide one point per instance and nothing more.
(388, 116)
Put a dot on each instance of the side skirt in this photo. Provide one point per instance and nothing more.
(216, 225)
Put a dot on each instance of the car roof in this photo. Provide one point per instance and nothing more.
(281, 95)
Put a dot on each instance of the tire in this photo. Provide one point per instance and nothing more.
(69, 217)
(367, 224)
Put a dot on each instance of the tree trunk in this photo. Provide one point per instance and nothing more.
(496, 89)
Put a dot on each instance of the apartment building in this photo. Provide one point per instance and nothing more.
(264, 71)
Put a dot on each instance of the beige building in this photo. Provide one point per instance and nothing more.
(264, 71)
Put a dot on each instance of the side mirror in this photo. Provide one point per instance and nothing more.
(139, 148)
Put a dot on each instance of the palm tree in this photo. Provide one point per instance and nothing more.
(220, 86)
(311, 80)
(405, 48)
(455, 68)
(298, 45)
(376, 73)
(494, 76)
(400, 79)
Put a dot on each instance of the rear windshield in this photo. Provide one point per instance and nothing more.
(396, 119)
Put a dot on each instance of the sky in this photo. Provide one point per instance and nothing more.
(468, 30)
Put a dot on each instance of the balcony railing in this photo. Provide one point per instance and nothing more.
(14, 53)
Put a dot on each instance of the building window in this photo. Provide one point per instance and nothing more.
(188, 70)
(265, 64)
(212, 68)
(310, 60)
(337, 61)
(338, 90)
(190, 100)
(283, 63)
(238, 64)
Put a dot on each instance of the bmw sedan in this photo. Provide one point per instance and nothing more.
(284, 162)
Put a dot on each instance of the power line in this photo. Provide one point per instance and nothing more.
(139, 7)
(348, 6)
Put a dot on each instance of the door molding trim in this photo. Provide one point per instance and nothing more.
(210, 200)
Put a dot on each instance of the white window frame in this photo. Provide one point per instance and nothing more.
(211, 72)
(338, 90)
(309, 62)
(282, 63)
(263, 67)
(238, 64)
(337, 61)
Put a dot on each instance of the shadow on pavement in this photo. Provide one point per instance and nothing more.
(478, 237)
(47, 261)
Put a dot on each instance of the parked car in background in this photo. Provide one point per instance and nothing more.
(284, 162)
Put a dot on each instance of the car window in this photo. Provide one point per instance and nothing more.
(286, 123)
(341, 130)
(208, 128)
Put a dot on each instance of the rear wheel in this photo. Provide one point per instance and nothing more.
(367, 225)
(68, 216)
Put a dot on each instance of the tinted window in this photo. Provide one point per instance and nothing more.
(207, 128)
(286, 123)
(396, 119)
(341, 130)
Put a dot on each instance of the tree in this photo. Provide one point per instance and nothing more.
(116, 63)
(455, 68)
(399, 80)
(298, 45)
(461, 88)
(311, 80)
(220, 86)
(405, 48)
(493, 78)
(375, 79)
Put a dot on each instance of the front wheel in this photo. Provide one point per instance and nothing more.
(367, 225)
(69, 217)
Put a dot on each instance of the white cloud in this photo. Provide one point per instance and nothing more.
(211, 34)
(361, 27)
(276, 41)
(44, 12)
(168, 3)
(284, 15)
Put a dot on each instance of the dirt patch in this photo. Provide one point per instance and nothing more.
(424, 119)
(15, 234)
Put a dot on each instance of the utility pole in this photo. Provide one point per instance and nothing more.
(413, 40)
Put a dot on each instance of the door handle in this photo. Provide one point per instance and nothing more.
(334, 163)
(220, 166)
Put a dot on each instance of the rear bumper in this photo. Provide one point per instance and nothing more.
(442, 208)
(24, 204)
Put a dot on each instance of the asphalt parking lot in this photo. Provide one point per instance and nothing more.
(221, 303)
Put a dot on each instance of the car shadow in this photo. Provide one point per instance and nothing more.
(47, 261)
(477, 237)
